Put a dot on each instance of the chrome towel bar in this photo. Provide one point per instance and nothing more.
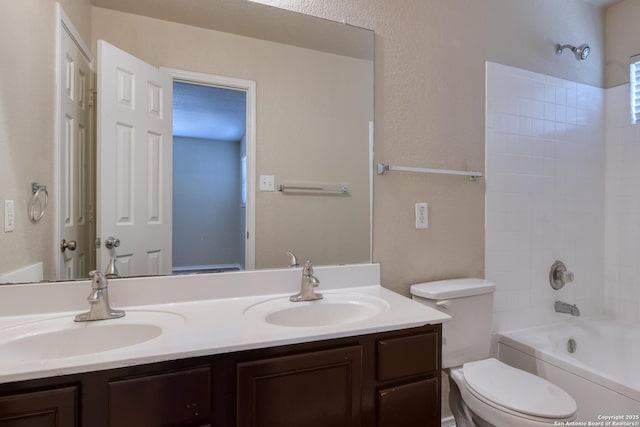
(383, 168)
(339, 189)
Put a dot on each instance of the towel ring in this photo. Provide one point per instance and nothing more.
(37, 190)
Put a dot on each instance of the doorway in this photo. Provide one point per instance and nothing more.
(209, 129)
(213, 153)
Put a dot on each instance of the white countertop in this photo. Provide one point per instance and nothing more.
(202, 326)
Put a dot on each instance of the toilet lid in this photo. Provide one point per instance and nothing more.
(518, 390)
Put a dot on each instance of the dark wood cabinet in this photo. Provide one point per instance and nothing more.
(408, 405)
(46, 408)
(315, 389)
(407, 356)
(388, 379)
(178, 398)
(408, 369)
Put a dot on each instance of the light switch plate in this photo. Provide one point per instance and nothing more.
(422, 215)
(267, 183)
(9, 215)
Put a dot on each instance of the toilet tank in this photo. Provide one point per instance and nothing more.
(467, 335)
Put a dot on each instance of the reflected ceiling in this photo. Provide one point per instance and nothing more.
(207, 112)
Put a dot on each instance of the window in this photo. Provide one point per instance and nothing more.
(634, 80)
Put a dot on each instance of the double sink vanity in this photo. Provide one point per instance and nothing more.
(221, 350)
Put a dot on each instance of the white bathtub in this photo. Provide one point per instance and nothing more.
(602, 375)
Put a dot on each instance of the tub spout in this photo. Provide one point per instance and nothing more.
(563, 307)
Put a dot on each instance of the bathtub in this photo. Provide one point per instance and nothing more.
(602, 373)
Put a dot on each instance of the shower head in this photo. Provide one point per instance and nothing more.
(581, 52)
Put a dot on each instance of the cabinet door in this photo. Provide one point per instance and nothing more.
(49, 408)
(411, 405)
(316, 389)
(180, 398)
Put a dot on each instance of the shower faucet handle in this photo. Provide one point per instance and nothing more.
(559, 276)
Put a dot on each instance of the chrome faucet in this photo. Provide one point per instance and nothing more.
(293, 260)
(563, 307)
(309, 282)
(99, 301)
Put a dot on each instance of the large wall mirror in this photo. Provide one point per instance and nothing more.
(261, 98)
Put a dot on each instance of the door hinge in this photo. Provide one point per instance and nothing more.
(93, 97)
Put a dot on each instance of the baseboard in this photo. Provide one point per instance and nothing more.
(448, 422)
(216, 268)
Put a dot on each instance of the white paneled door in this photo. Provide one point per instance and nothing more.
(134, 163)
(74, 159)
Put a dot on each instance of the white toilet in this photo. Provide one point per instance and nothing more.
(484, 391)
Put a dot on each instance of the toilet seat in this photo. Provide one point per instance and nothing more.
(517, 390)
(503, 395)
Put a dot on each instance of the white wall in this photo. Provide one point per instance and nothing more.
(545, 194)
(622, 247)
(622, 243)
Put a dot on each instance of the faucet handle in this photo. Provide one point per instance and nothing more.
(99, 280)
(308, 273)
(559, 275)
(314, 280)
(307, 270)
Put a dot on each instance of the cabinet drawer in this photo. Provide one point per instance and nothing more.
(414, 404)
(407, 356)
(49, 408)
(168, 399)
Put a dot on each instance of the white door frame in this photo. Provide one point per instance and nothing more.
(249, 87)
(63, 23)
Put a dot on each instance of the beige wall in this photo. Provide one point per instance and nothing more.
(622, 41)
(313, 113)
(429, 108)
(27, 101)
(429, 100)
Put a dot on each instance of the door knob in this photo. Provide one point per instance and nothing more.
(111, 242)
(71, 245)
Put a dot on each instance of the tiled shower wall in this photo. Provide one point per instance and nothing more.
(622, 224)
(545, 170)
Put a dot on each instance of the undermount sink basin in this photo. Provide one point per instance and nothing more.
(332, 309)
(61, 337)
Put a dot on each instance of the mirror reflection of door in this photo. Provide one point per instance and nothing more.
(75, 153)
(209, 178)
(174, 195)
(134, 139)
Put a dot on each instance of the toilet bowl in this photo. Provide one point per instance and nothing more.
(485, 392)
(497, 394)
